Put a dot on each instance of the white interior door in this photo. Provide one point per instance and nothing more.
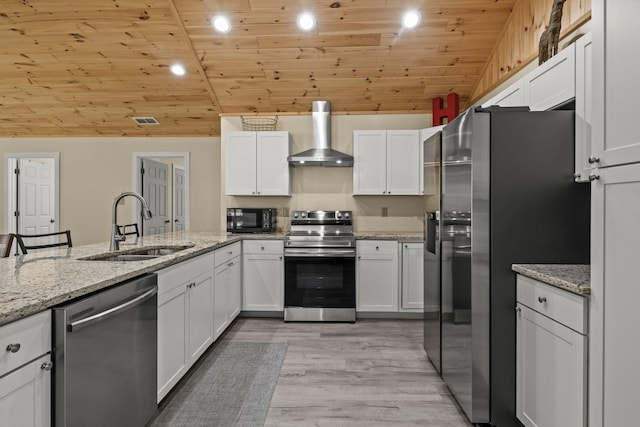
(178, 198)
(36, 195)
(154, 191)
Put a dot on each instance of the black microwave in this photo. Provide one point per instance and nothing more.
(251, 220)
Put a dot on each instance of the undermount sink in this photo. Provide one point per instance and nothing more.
(139, 254)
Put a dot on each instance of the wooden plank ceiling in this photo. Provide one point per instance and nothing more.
(85, 68)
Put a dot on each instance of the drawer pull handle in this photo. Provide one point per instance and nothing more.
(542, 300)
(13, 348)
(46, 366)
(262, 247)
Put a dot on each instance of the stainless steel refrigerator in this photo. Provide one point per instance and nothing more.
(507, 196)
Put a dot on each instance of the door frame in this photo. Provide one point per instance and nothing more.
(135, 176)
(9, 192)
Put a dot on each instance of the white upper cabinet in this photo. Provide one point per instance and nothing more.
(273, 148)
(256, 164)
(616, 139)
(553, 82)
(369, 162)
(549, 85)
(403, 162)
(513, 96)
(386, 162)
(584, 107)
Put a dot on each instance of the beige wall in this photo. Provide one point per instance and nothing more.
(94, 170)
(332, 188)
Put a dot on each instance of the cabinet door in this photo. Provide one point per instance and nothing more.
(584, 107)
(552, 83)
(235, 288)
(377, 276)
(240, 164)
(369, 162)
(513, 96)
(263, 282)
(412, 275)
(550, 372)
(173, 356)
(429, 169)
(25, 395)
(272, 165)
(403, 162)
(616, 139)
(221, 300)
(200, 315)
(615, 349)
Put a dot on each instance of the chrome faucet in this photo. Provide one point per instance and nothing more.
(116, 237)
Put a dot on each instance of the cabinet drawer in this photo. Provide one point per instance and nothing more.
(227, 253)
(562, 306)
(32, 333)
(275, 247)
(366, 247)
(176, 275)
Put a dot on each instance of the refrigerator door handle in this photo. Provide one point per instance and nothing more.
(431, 230)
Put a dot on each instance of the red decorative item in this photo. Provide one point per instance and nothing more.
(451, 112)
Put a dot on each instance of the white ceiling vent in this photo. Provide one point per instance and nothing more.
(146, 121)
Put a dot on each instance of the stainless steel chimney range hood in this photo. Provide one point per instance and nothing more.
(321, 154)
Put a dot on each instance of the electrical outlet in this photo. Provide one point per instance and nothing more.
(385, 212)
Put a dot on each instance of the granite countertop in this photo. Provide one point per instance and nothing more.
(574, 278)
(35, 282)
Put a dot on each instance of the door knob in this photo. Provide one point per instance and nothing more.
(166, 221)
(542, 300)
(52, 220)
(47, 366)
(593, 176)
(175, 220)
(593, 159)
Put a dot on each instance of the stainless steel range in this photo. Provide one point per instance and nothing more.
(320, 278)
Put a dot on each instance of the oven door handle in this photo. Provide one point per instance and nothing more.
(319, 252)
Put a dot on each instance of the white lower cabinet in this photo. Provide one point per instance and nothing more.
(376, 275)
(551, 356)
(228, 287)
(25, 372)
(25, 395)
(263, 275)
(412, 283)
(185, 318)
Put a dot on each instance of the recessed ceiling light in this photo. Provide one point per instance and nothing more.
(410, 19)
(306, 21)
(178, 70)
(221, 24)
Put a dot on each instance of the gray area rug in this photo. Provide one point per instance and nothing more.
(232, 386)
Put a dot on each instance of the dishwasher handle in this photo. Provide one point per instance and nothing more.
(80, 324)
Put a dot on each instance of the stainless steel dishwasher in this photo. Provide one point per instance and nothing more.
(105, 357)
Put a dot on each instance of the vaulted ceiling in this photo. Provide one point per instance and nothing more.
(86, 67)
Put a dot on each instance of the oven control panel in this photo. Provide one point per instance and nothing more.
(320, 217)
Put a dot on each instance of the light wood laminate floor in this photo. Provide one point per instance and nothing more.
(371, 373)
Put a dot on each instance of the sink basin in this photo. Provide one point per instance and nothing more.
(125, 257)
(165, 250)
(139, 254)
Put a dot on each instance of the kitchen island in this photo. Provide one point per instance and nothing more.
(36, 282)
